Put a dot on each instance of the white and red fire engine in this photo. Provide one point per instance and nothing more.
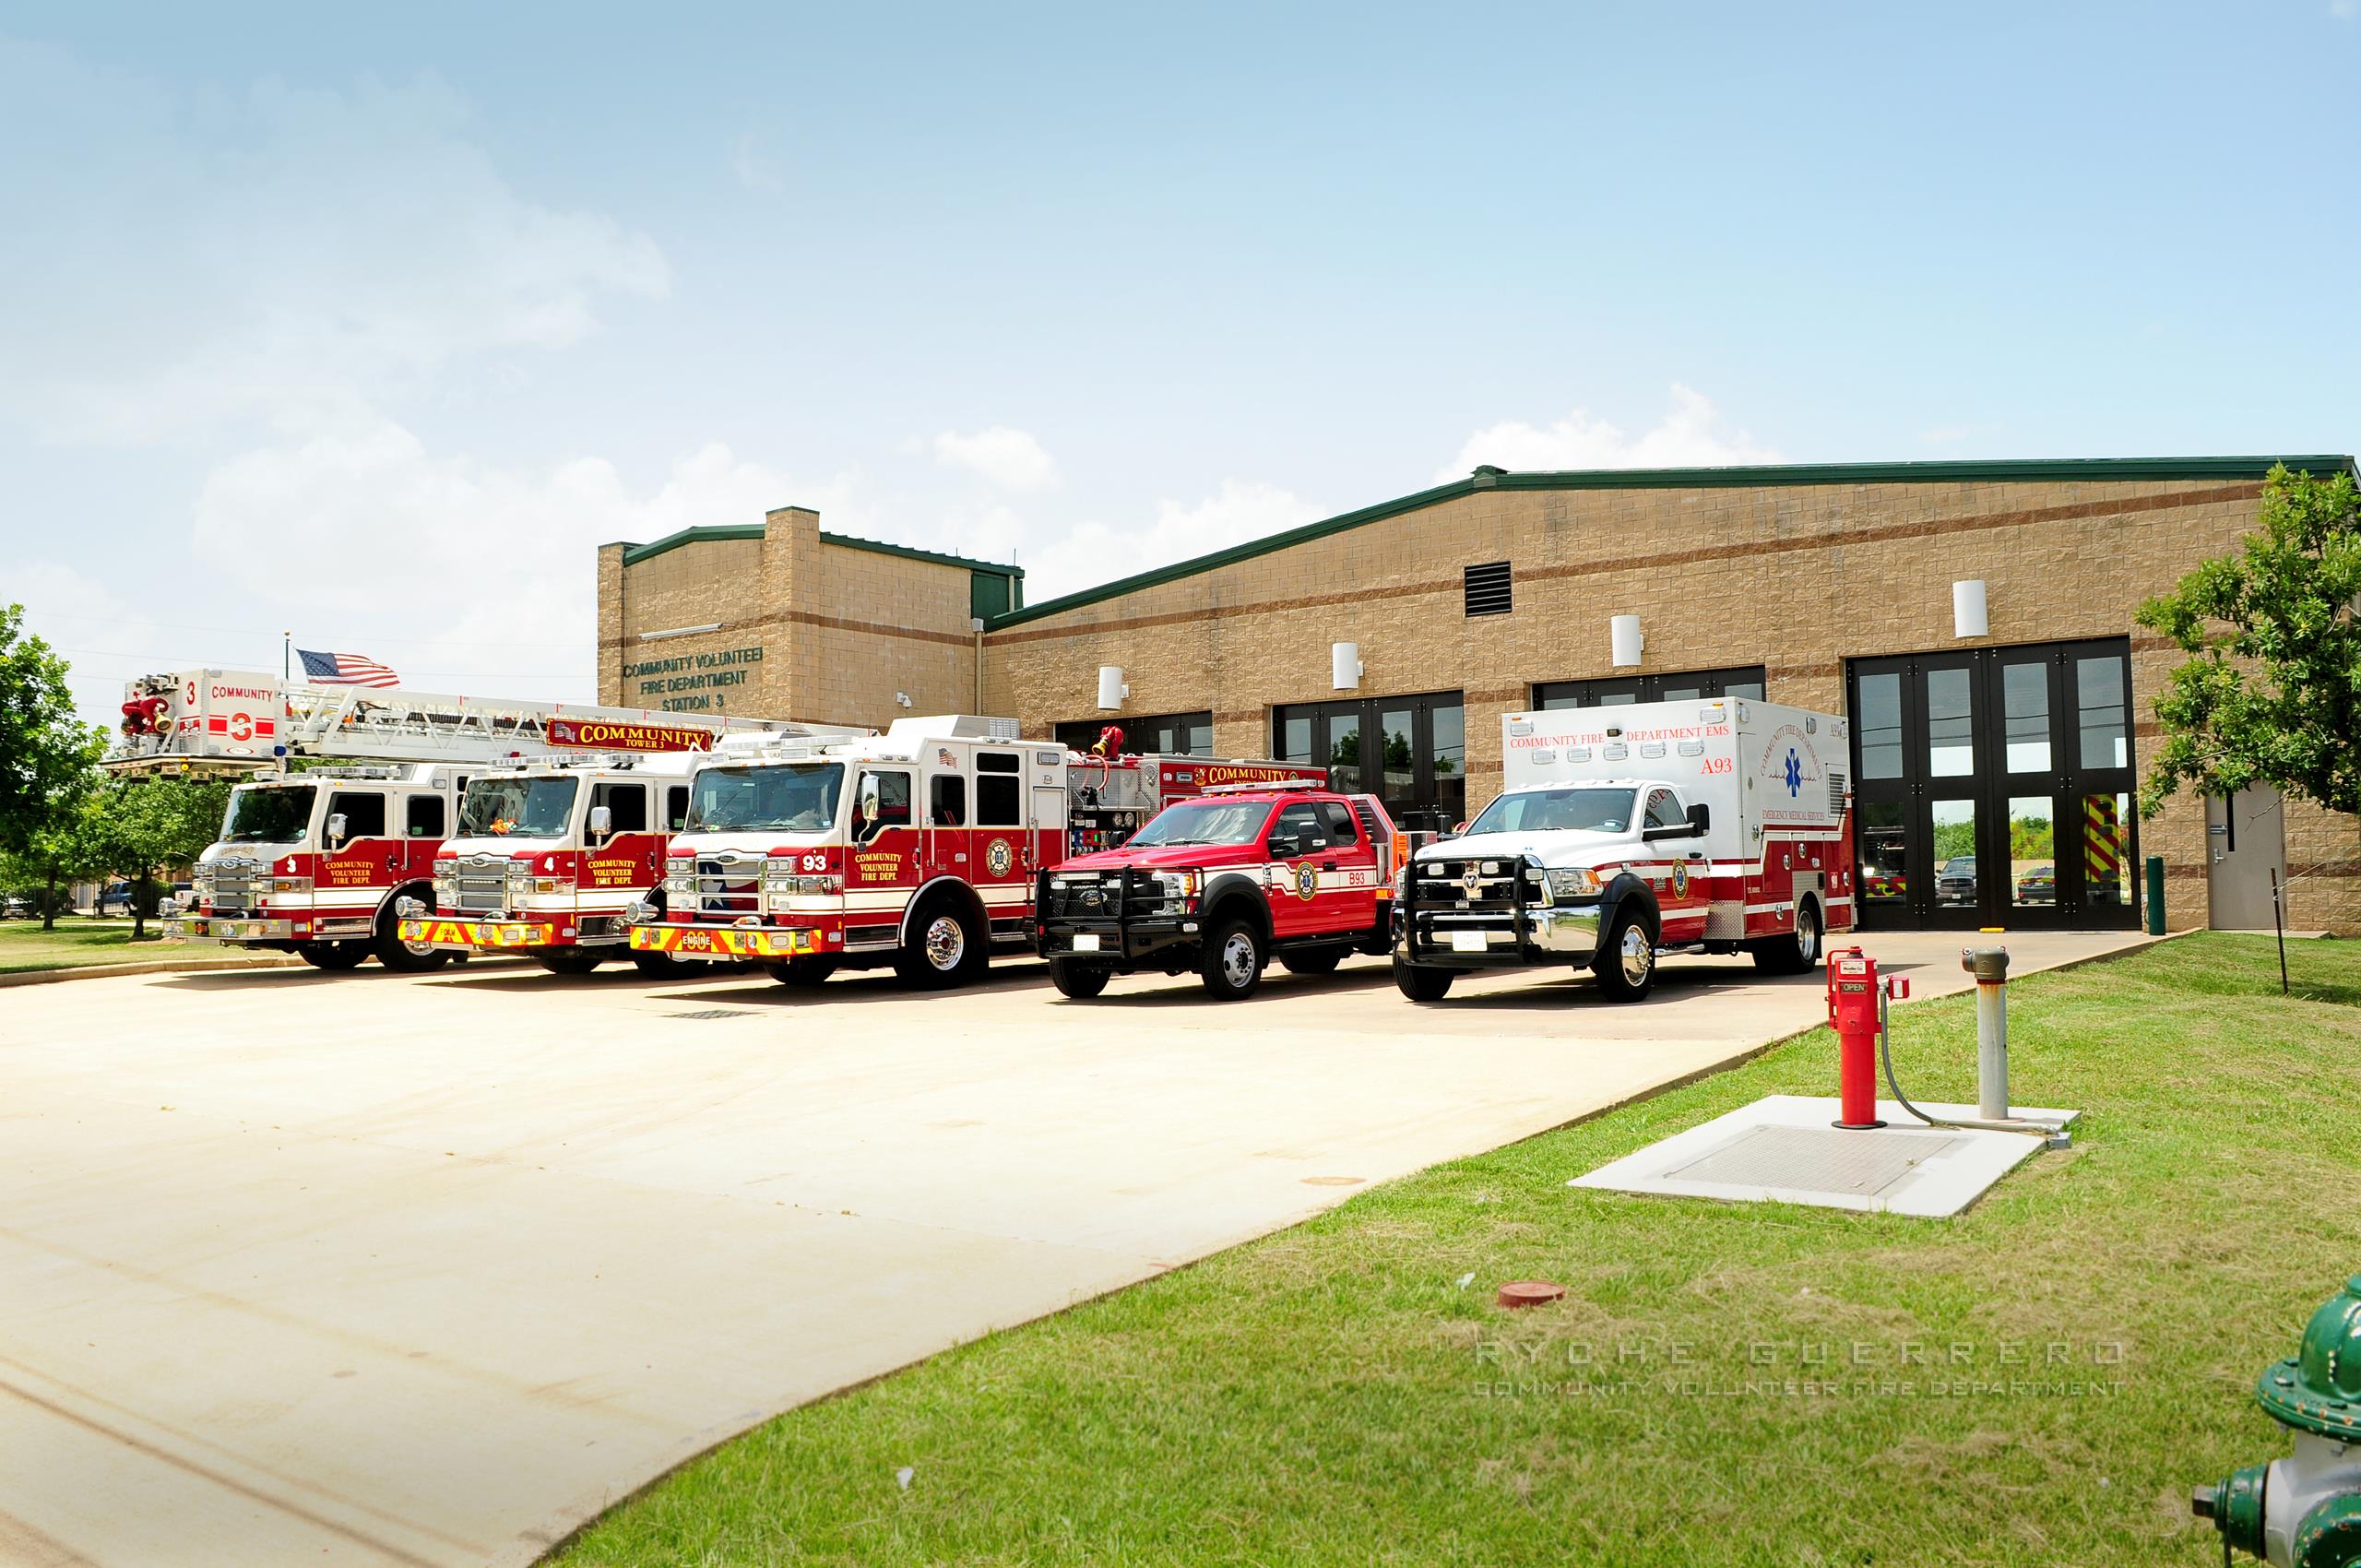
(312, 861)
(1626, 833)
(916, 848)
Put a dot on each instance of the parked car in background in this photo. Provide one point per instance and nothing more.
(2038, 886)
(1956, 884)
(15, 908)
(115, 898)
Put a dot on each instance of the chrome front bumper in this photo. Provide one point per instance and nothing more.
(1568, 931)
(236, 930)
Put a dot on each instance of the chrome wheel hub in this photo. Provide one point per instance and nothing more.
(1237, 959)
(1808, 940)
(947, 942)
(1637, 956)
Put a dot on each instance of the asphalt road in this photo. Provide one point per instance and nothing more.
(381, 1269)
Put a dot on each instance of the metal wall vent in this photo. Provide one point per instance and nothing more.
(1487, 588)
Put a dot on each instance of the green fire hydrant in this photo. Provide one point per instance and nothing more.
(2304, 1511)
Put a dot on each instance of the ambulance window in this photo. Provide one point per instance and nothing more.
(1664, 811)
(1340, 824)
(365, 814)
(676, 808)
(423, 816)
(947, 805)
(626, 803)
(1000, 790)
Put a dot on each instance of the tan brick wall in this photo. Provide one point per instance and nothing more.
(1798, 578)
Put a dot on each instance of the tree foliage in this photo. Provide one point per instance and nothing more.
(2272, 695)
(46, 753)
(143, 826)
(60, 853)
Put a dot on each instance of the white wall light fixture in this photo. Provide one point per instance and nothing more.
(1968, 617)
(1623, 637)
(1344, 669)
(902, 698)
(1111, 690)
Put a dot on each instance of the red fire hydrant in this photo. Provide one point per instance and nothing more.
(1853, 1014)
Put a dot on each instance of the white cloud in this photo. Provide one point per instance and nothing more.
(2344, 10)
(1096, 552)
(1010, 458)
(1692, 434)
(313, 531)
(289, 255)
(756, 169)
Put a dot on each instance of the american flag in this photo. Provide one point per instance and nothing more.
(345, 670)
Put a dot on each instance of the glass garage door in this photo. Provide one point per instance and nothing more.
(1995, 787)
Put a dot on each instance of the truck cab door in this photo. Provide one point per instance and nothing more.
(1301, 856)
(1350, 873)
(1682, 891)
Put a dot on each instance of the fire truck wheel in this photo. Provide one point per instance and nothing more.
(565, 960)
(1081, 982)
(1312, 960)
(1627, 959)
(1795, 955)
(403, 958)
(804, 971)
(1233, 961)
(332, 955)
(944, 949)
(1422, 984)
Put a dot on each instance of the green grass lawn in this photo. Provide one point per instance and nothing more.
(79, 943)
(2039, 1381)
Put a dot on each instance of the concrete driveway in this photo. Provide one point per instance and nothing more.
(371, 1269)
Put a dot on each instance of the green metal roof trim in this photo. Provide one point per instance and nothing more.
(706, 533)
(2034, 469)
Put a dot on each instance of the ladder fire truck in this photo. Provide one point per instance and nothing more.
(312, 861)
(916, 848)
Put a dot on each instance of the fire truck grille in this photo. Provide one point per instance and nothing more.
(726, 890)
(1097, 900)
(1446, 885)
(235, 893)
(483, 895)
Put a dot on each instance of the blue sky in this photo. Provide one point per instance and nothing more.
(371, 325)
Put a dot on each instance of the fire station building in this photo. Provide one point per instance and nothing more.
(1975, 620)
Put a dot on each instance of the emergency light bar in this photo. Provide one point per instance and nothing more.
(1264, 786)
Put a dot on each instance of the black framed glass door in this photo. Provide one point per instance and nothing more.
(1994, 787)
(1410, 751)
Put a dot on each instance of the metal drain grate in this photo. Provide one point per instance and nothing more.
(712, 1013)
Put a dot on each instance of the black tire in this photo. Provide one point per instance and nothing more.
(1420, 983)
(1081, 982)
(1798, 953)
(802, 973)
(566, 960)
(1232, 964)
(659, 966)
(332, 956)
(945, 948)
(401, 957)
(1626, 965)
(1312, 960)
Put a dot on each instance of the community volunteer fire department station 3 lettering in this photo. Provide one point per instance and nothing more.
(1625, 833)
(918, 849)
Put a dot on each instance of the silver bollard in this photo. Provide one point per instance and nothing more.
(1991, 968)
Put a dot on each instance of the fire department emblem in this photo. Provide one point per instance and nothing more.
(1307, 883)
(1680, 880)
(999, 857)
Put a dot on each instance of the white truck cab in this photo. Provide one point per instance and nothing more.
(1629, 832)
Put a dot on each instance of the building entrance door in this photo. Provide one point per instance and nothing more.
(2245, 843)
(1995, 787)
(1410, 751)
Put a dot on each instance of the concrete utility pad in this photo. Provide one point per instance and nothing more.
(1783, 1149)
(371, 1269)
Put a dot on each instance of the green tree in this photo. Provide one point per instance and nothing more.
(59, 854)
(147, 825)
(2272, 695)
(46, 752)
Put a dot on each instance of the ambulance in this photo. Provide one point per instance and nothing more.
(916, 849)
(1625, 834)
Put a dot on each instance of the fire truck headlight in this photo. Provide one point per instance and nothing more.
(1574, 882)
(681, 883)
(1179, 887)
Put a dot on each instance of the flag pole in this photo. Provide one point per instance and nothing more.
(286, 656)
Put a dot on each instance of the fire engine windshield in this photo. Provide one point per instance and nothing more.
(268, 814)
(786, 796)
(1207, 822)
(518, 808)
(1557, 811)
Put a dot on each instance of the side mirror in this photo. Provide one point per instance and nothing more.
(337, 825)
(871, 806)
(1701, 820)
(1284, 847)
(602, 821)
